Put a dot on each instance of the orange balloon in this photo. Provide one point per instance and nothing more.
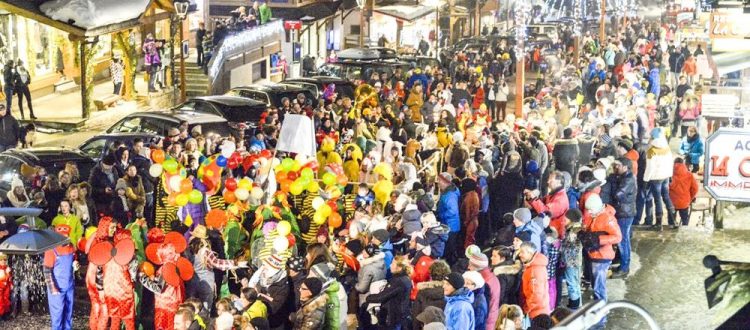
(342, 180)
(172, 199)
(284, 185)
(229, 197)
(186, 186)
(147, 268)
(280, 176)
(334, 220)
(157, 155)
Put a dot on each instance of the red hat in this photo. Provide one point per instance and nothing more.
(63, 230)
(155, 235)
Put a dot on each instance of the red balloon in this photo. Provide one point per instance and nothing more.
(248, 162)
(230, 184)
(292, 176)
(291, 239)
(232, 163)
(265, 153)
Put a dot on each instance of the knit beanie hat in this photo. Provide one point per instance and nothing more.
(313, 284)
(274, 261)
(456, 280)
(478, 261)
(355, 246)
(321, 271)
(474, 277)
(523, 214)
(296, 264)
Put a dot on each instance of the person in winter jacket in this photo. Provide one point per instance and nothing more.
(336, 308)
(528, 228)
(508, 272)
(691, 149)
(659, 165)
(623, 194)
(475, 283)
(469, 207)
(430, 293)
(459, 311)
(600, 233)
(311, 316)
(6, 284)
(565, 153)
(682, 190)
(448, 213)
(534, 282)
(555, 203)
(480, 263)
(371, 275)
(10, 134)
(433, 235)
(570, 252)
(394, 298)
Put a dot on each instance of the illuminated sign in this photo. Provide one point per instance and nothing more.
(727, 167)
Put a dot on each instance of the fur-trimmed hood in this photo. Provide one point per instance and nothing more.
(429, 285)
(316, 302)
(511, 269)
(372, 259)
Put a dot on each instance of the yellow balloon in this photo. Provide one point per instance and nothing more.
(313, 186)
(245, 183)
(296, 188)
(284, 228)
(325, 210)
(182, 199)
(319, 219)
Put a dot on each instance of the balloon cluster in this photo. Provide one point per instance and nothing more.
(294, 176)
(284, 239)
(179, 188)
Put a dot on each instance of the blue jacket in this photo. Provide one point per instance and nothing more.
(387, 249)
(692, 149)
(480, 309)
(654, 86)
(447, 209)
(536, 233)
(421, 78)
(436, 238)
(459, 312)
(622, 194)
(485, 202)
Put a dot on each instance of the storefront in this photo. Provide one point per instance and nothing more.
(403, 26)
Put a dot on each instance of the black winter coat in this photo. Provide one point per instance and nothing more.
(429, 294)
(509, 275)
(565, 155)
(99, 181)
(281, 304)
(623, 194)
(394, 300)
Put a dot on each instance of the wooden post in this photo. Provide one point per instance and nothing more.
(183, 92)
(85, 111)
(477, 19)
(130, 61)
(520, 71)
(719, 215)
(399, 28)
(602, 24)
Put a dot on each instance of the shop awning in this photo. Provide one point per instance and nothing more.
(107, 16)
(404, 12)
(731, 62)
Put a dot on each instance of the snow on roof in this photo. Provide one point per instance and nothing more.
(90, 14)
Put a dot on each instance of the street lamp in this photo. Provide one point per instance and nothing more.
(181, 9)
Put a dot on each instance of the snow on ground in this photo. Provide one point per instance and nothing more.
(90, 14)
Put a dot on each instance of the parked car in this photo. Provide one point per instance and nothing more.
(101, 145)
(52, 159)
(240, 112)
(271, 94)
(159, 123)
(356, 71)
(317, 84)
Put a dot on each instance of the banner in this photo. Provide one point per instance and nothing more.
(297, 135)
(727, 168)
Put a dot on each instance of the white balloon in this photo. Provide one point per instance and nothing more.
(257, 193)
(275, 162)
(280, 244)
(317, 202)
(174, 183)
(242, 194)
(155, 170)
(301, 159)
(228, 148)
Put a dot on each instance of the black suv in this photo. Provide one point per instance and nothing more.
(52, 159)
(159, 123)
(317, 84)
(238, 111)
(272, 94)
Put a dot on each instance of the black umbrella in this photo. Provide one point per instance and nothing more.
(32, 241)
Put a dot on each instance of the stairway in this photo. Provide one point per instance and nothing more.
(196, 83)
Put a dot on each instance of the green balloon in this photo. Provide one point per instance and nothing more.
(195, 196)
(329, 179)
(307, 173)
(287, 164)
(170, 165)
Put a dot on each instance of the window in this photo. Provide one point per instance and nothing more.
(132, 124)
(155, 126)
(354, 29)
(187, 106)
(95, 149)
(9, 167)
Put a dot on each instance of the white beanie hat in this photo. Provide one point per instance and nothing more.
(594, 204)
(474, 277)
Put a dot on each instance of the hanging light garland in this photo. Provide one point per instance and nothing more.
(520, 17)
(246, 40)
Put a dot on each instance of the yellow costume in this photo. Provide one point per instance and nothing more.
(327, 155)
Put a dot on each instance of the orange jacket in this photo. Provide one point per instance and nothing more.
(605, 222)
(683, 188)
(632, 154)
(535, 287)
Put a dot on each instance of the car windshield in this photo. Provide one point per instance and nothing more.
(220, 128)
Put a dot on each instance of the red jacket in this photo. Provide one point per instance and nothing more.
(605, 222)
(557, 204)
(6, 286)
(478, 98)
(683, 188)
(534, 286)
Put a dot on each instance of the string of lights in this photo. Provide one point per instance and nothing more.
(520, 17)
(249, 39)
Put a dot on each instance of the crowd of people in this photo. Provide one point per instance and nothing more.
(429, 205)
